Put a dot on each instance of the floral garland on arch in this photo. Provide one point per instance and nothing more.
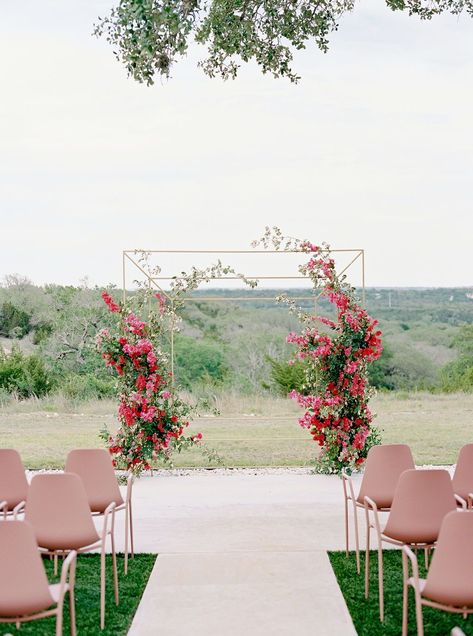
(152, 417)
(337, 356)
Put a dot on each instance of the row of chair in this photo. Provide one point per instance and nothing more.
(58, 510)
(423, 507)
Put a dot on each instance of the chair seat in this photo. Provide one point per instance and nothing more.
(450, 591)
(12, 502)
(73, 540)
(382, 500)
(409, 537)
(99, 504)
(32, 602)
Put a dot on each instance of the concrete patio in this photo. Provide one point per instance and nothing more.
(240, 552)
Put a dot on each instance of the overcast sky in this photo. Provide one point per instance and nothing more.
(373, 149)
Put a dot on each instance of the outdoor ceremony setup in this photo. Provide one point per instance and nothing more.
(107, 543)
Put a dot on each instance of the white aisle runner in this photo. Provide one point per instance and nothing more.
(240, 554)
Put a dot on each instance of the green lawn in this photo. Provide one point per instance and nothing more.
(365, 613)
(258, 431)
(117, 618)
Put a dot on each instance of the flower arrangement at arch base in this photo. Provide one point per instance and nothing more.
(336, 357)
(153, 418)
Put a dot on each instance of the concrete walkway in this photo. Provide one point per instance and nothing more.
(240, 553)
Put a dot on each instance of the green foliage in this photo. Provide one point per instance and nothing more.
(287, 377)
(148, 36)
(198, 361)
(24, 375)
(87, 387)
(42, 331)
(381, 372)
(87, 588)
(458, 374)
(365, 612)
(14, 322)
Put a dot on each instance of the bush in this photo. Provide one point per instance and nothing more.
(286, 377)
(42, 331)
(382, 371)
(14, 322)
(458, 375)
(87, 387)
(24, 375)
(198, 361)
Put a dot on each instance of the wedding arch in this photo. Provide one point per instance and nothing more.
(336, 391)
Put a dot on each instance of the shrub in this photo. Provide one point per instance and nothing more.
(286, 377)
(382, 371)
(198, 361)
(87, 387)
(14, 322)
(42, 331)
(458, 375)
(24, 375)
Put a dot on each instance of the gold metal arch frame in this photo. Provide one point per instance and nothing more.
(129, 260)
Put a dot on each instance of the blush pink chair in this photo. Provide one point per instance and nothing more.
(462, 479)
(13, 482)
(94, 466)
(59, 513)
(421, 501)
(25, 594)
(383, 467)
(449, 582)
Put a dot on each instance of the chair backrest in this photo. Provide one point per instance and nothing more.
(94, 466)
(421, 501)
(384, 465)
(59, 512)
(13, 482)
(463, 476)
(24, 587)
(450, 576)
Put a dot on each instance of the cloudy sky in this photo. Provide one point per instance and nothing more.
(373, 149)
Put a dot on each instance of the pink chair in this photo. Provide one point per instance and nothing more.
(383, 467)
(59, 513)
(449, 582)
(25, 594)
(462, 479)
(13, 482)
(94, 466)
(421, 501)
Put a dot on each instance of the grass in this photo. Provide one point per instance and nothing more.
(252, 431)
(365, 613)
(117, 618)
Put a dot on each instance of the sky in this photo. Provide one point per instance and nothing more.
(373, 149)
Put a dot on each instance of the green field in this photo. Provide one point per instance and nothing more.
(259, 431)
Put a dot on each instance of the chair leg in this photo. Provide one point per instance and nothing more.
(419, 619)
(127, 532)
(405, 595)
(59, 618)
(102, 587)
(132, 540)
(380, 580)
(357, 536)
(347, 545)
(114, 561)
(55, 564)
(72, 611)
(367, 556)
